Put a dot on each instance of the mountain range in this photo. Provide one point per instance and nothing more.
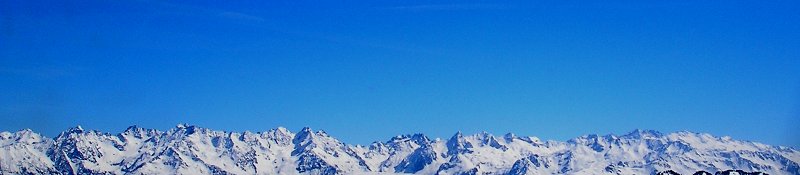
(188, 149)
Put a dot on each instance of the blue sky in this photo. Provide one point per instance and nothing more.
(366, 71)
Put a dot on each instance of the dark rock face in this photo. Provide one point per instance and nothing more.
(308, 162)
(701, 173)
(420, 158)
(726, 172)
(668, 172)
(739, 172)
(524, 165)
(458, 145)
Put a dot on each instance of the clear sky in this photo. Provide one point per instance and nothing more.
(366, 71)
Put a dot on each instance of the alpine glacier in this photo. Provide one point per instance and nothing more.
(194, 150)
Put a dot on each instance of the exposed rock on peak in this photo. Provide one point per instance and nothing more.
(189, 149)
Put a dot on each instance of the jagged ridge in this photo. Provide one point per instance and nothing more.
(194, 150)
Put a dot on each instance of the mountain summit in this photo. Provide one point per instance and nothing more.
(188, 149)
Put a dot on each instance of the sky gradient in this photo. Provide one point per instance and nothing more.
(366, 71)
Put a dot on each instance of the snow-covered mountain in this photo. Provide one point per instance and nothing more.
(194, 150)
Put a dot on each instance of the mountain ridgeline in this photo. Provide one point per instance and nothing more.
(194, 150)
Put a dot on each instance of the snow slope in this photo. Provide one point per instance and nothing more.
(194, 150)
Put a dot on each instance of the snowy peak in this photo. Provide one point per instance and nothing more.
(74, 130)
(318, 153)
(509, 137)
(133, 128)
(643, 134)
(184, 129)
(458, 144)
(25, 136)
(528, 165)
(138, 132)
(418, 139)
(279, 136)
(188, 149)
(489, 140)
(305, 135)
